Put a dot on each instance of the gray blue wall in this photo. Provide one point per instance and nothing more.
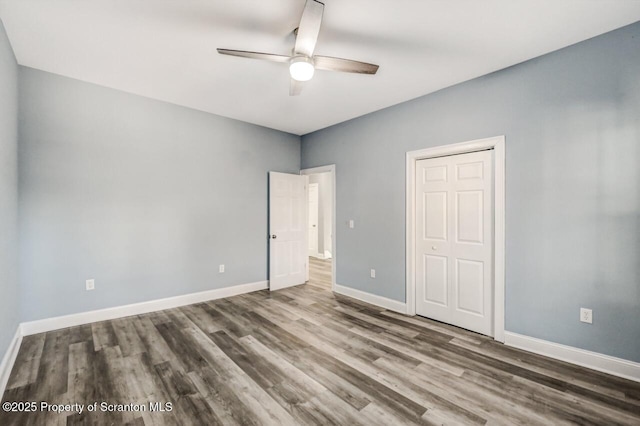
(9, 306)
(572, 126)
(146, 197)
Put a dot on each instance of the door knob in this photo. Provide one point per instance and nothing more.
(313, 226)
(274, 237)
(434, 248)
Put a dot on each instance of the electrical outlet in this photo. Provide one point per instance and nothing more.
(586, 315)
(221, 268)
(90, 284)
(352, 224)
(373, 273)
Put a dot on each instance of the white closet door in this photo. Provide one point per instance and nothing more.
(454, 240)
(313, 219)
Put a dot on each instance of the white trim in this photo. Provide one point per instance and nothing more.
(49, 324)
(498, 145)
(331, 168)
(9, 359)
(383, 302)
(593, 360)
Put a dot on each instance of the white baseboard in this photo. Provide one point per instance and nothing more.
(9, 359)
(593, 360)
(56, 323)
(384, 302)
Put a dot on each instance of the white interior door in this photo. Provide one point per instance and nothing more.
(287, 230)
(313, 219)
(454, 240)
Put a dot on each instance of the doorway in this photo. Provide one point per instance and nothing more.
(455, 235)
(321, 226)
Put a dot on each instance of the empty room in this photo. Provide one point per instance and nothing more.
(295, 212)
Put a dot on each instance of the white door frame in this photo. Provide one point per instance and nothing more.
(331, 168)
(498, 145)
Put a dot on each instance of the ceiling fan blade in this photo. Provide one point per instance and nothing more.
(344, 65)
(309, 28)
(255, 55)
(295, 87)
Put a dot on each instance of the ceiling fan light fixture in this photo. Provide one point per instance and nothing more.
(301, 68)
(302, 62)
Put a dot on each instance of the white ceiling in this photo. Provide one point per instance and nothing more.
(166, 49)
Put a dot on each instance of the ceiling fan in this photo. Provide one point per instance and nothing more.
(302, 62)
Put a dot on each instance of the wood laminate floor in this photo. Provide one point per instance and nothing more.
(320, 273)
(303, 356)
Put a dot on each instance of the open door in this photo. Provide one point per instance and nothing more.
(288, 232)
(313, 219)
